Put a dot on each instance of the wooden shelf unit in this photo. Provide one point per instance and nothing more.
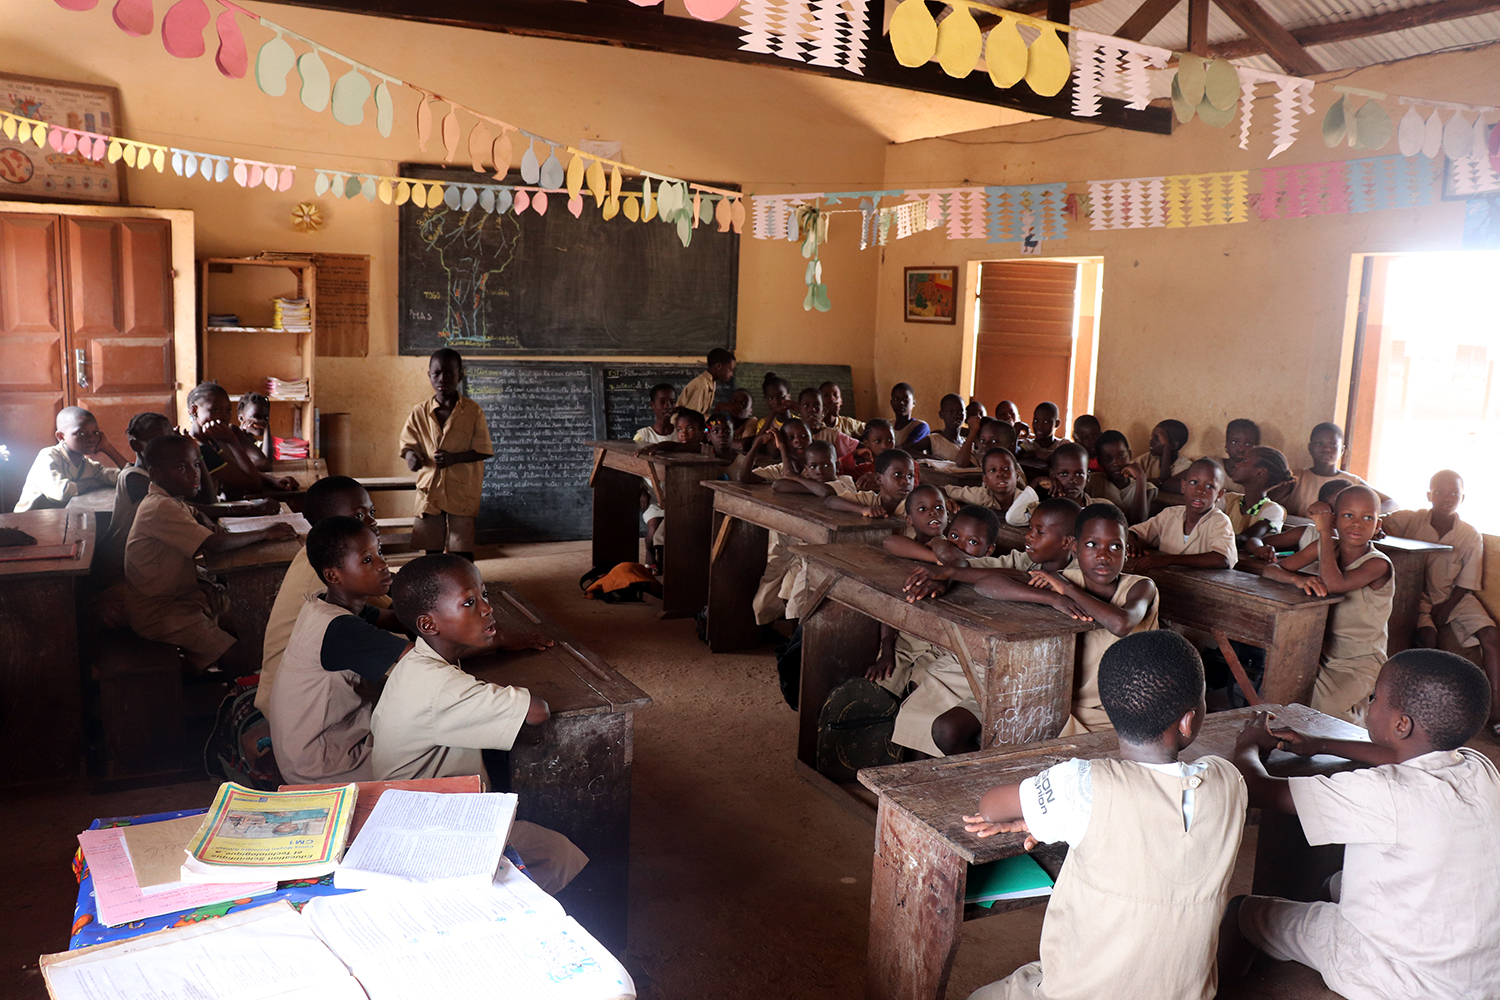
(240, 358)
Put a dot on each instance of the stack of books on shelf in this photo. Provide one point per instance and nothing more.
(287, 388)
(293, 314)
(286, 448)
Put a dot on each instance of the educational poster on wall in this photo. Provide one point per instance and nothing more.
(47, 173)
(530, 282)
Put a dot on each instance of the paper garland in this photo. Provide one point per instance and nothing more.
(957, 43)
(820, 32)
(182, 28)
(1022, 212)
(1297, 192)
(1382, 182)
(1112, 65)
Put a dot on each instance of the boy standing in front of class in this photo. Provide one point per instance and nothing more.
(446, 441)
(699, 393)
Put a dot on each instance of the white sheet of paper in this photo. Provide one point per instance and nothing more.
(494, 942)
(429, 837)
(250, 955)
(297, 521)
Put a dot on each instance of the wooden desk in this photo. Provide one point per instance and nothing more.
(377, 484)
(1019, 656)
(1409, 563)
(41, 685)
(922, 851)
(1281, 619)
(941, 477)
(576, 778)
(743, 516)
(94, 501)
(616, 479)
(253, 575)
(305, 470)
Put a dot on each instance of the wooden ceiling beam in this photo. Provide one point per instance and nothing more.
(1278, 42)
(1364, 27)
(1197, 34)
(1039, 8)
(633, 28)
(1147, 16)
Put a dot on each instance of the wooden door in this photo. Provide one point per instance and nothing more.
(32, 336)
(1024, 335)
(119, 350)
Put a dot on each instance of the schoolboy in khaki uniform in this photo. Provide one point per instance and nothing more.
(1195, 534)
(446, 441)
(699, 393)
(999, 490)
(65, 470)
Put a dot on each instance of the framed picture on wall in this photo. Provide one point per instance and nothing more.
(932, 295)
(32, 173)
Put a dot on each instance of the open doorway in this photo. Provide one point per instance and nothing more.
(1424, 386)
(1035, 334)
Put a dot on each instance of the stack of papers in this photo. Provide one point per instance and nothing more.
(429, 837)
(287, 448)
(235, 524)
(293, 314)
(273, 836)
(287, 388)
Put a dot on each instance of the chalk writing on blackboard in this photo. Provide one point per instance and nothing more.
(471, 248)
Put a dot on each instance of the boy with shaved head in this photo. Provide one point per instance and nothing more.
(65, 470)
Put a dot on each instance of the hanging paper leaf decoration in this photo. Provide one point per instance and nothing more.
(531, 167)
(320, 185)
(241, 174)
(385, 110)
(9, 127)
(501, 155)
(284, 183)
(349, 96)
(1047, 64)
(233, 58)
(958, 42)
(648, 211)
(1373, 126)
(575, 178)
(424, 121)
(1192, 77)
(419, 195)
(78, 4)
(710, 10)
(632, 208)
(403, 193)
(1180, 106)
(221, 169)
(615, 181)
(551, 174)
(539, 203)
(487, 200)
(721, 215)
(1213, 116)
(697, 207)
(1005, 53)
(257, 174)
(272, 64)
(575, 205)
(182, 29)
(684, 230)
(1334, 126)
(523, 201)
(469, 200)
(1481, 139)
(503, 200)
(352, 187)
(189, 166)
(1458, 137)
(1411, 133)
(450, 133)
(737, 215)
(595, 177)
(1432, 136)
(1221, 84)
(177, 162)
(914, 34)
(316, 83)
(384, 191)
(128, 155)
(134, 17)
(270, 177)
(479, 146)
(611, 209)
(367, 188)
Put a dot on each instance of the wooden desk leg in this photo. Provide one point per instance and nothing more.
(1292, 651)
(916, 910)
(1029, 690)
(690, 514)
(576, 781)
(733, 580)
(617, 518)
(41, 686)
(837, 643)
(1411, 573)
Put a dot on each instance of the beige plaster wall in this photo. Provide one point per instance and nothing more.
(1202, 324)
(767, 130)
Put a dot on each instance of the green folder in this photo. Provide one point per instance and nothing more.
(1016, 877)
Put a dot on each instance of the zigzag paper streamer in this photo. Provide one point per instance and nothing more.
(1113, 66)
(1475, 174)
(788, 25)
(857, 33)
(1207, 199)
(769, 214)
(820, 32)
(756, 26)
(826, 48)
(1293, 97)
(1129, 203)
(1381, 182)
(1020, 210)
(1297, 192)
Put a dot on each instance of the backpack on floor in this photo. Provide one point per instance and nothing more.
(855, 727)
(624, 582)
(239, 749)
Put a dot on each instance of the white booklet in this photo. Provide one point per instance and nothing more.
(421, 837)
(505, 941)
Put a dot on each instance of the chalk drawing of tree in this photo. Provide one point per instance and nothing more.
(471, 246)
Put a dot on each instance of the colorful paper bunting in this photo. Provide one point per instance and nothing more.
(1026, 211)
(1381, 182)
(916, 39)
(1111, 66)
(820, 32)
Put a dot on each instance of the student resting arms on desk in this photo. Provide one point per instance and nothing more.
(253, 419)
(446, 442)
(1151, 838)
(1347, 563)
(1453, 578)
(1416, 912)
(335, 660)
(941, 716)
(65, 470)
(945, 444)
(663, 404)
(895, 478)
(224, 446)
(1120, 479)
(433, 720)
(1194, 534)
(783, 590)
(329, 497)
(1067, 475)
(998, 489)
(902, 655)
(778, 395)
(810, 409)
(907, 431)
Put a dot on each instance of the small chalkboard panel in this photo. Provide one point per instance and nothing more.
(627, 405)
(522, 283)
(751, 375)
(539, 414)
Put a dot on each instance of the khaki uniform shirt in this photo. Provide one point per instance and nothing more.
(1305, 493)
(1212, 533)
(942, 448)
(1100, 488)
(1151, 465)
(1461, 567)
(57, 476)
(979, 497)
(110, 560)
(161, 554)
(850, 426)
(433, 719)
(699, 394)
(454, 490)
(1087, 708)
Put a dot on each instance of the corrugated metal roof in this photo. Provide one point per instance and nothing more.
(1108, 15)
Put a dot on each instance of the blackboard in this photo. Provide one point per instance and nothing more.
(627, 407)
(539, 415)
(751, 375)
(517, 284)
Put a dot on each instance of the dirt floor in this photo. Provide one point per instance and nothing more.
(745, 880)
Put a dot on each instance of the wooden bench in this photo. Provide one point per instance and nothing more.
(616, 480)
(922, 851)
(576, 778)
(1278, 617)
(1018, 657)
(743, 517)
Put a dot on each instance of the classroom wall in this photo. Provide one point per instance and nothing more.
(767, 130)
(1201, 324)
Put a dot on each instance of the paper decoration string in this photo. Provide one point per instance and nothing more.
(957, 43)
(182, 28)
(820, 32)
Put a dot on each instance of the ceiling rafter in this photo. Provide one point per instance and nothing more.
(1364, 27)
(1265, 29)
